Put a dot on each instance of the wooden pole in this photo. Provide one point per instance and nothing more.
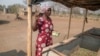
(85, 20)
(98, 54)
(29, 29)
(69, 23)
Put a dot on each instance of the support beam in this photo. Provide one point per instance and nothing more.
(29, 29)
(69, 22)
(85, 20)
(98, 54)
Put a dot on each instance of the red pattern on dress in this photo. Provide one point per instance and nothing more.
(44, 38)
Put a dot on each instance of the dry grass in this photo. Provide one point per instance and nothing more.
(84, 52)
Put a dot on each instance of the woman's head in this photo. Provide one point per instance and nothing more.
(45, 10)
(48, 12)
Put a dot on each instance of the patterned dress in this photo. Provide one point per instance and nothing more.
(44, 38)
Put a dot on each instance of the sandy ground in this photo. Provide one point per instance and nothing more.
(13, 33)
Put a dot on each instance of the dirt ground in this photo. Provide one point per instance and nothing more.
(13, 33)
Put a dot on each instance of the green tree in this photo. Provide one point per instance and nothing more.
(14, 8)
(2, 7)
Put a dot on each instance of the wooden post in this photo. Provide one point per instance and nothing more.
(29, 29)
(85, 20)
(98, 54)
(69, 23)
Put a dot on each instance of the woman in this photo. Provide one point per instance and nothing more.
(43, 23)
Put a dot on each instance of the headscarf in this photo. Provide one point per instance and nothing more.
(44, 7)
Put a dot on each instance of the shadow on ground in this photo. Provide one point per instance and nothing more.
(4, 22)
(13, 53)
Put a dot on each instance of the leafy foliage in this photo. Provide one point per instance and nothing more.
(14, 8)
(2, 7)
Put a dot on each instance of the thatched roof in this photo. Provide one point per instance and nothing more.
(88, 4)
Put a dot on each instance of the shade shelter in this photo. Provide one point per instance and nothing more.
(87, 4)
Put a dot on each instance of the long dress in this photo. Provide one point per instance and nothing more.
(44, 38)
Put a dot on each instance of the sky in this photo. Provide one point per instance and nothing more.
(10, 2)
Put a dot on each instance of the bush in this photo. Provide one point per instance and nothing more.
(2, 7)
